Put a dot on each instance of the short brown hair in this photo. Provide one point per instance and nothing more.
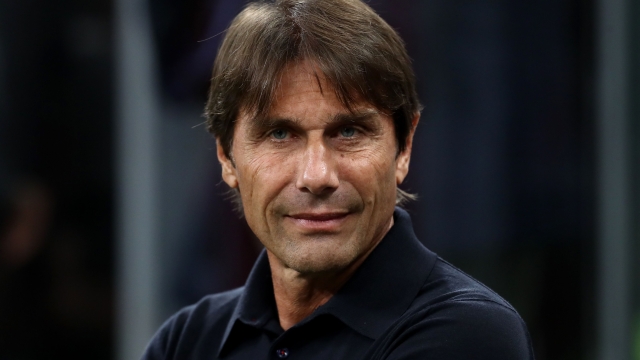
(358, 53)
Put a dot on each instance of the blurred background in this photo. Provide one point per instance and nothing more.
(113, 214)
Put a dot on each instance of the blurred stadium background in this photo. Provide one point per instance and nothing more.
(113, 216)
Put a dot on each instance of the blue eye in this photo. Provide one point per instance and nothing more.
(348, 132)
(279, 134)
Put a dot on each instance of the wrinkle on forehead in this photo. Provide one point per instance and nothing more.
(307, 72)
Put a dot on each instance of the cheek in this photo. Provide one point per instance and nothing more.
(261, 178)
(372, 173)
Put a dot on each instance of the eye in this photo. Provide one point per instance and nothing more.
(279, 134)
(348, 132)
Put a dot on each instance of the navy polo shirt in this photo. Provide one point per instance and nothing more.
(403, 302)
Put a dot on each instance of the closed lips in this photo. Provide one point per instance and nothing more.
(319, 217)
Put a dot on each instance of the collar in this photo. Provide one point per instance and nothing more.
(256, 305)
(378, 293)
(386, 283)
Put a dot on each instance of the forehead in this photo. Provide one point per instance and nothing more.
(303, 84)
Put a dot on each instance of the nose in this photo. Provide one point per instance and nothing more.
(318, 173)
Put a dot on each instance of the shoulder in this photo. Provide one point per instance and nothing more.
(447, 283)
(456, 317)
(184, 329)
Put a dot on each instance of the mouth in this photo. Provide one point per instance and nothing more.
(320, 221)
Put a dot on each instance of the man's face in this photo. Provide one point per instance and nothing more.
(318, 184)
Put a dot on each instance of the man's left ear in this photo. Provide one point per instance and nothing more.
(402, 162)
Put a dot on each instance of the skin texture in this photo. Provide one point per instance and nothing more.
(318, 187)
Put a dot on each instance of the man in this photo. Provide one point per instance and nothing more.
(313, 106)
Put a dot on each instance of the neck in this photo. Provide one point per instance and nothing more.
(298, 295)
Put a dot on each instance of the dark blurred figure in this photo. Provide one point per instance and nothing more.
(26, 322)
(50, 306)
(55, 180)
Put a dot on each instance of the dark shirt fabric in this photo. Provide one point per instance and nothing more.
(403, 302)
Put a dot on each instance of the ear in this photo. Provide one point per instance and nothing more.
(402, 162)
(228, 169)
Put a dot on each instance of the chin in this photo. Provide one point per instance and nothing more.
(320, 261)
(317, 267)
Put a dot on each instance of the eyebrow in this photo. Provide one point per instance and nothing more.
(262, 124)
